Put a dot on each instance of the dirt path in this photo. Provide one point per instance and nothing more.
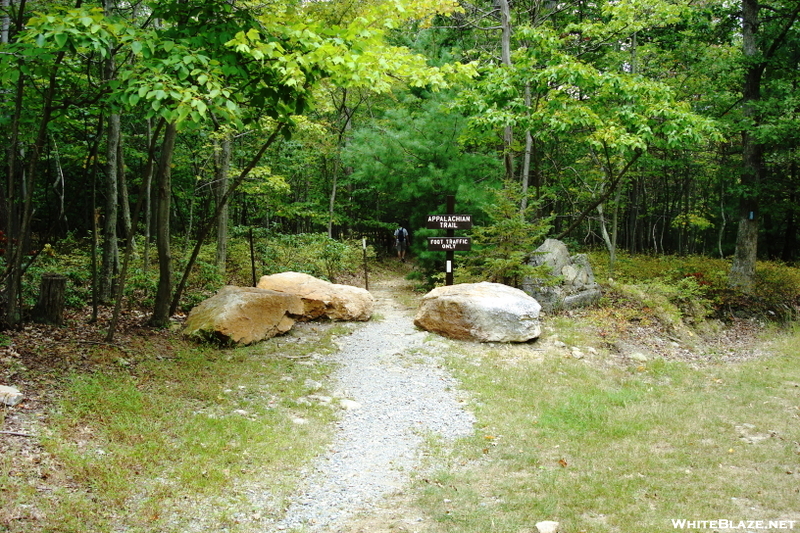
(395, 393)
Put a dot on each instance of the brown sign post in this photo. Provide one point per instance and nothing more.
(449, 244)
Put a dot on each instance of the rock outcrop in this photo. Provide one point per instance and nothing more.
(485, 312)
(244, 315)
(576, 288)
(321, 298)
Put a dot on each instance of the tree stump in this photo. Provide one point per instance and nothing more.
(49, 308)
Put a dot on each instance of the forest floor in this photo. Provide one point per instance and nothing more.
(36, 358)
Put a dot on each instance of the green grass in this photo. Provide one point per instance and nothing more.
(621, 449)
(204, 430)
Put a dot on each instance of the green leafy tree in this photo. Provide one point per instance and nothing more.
(502, 245)
(406, 163)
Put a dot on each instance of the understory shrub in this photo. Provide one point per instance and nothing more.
(313, 253)
(698, 287)
(74, 265)
(501, 247)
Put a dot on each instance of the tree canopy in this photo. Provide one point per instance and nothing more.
(650, 125)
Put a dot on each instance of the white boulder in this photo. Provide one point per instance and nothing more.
(10, 396)
(485, 312)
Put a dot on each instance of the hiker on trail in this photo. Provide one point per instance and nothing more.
(401, 242)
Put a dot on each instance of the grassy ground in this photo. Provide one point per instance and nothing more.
(605, 447)
(178, 437)
(159, 434)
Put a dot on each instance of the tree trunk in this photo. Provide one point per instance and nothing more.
(505, 47)
(148, 208)
(6, 22)
(49, 308)
(124, 197)
(790, 235)
(743, 268)
(332, 200)
(20, 224)
(222, 158)
(205, 228)
(109, 266)
(526, 160)
(143, 198)
(742, 273)
(160, 317)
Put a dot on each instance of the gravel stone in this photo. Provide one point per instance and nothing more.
(404, 394)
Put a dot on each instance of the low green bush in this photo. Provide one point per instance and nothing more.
(698, 286)
(313, 253)
(76, 267)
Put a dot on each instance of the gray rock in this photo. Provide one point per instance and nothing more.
(485, 312)
(10, 396)
(576, 285)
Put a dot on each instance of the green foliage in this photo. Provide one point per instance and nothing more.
(777, 291)
(696, 287)
(74, 264)
(405, 164)
(612, 112)
(313, 253)
(502, 246)
(673, 301)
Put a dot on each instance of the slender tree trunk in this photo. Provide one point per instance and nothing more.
(161, 314)
(743, 268)
(205, 228)
(124, 197)
(724, 219)
(345, 116)
(332, 200)
(222, 158)
(21, 219)
(109, 266)
(143, 198)
(505, 51)
(5, 24)
(526, 160)
(11, 208)
(790, 235)
(148, 208)
(606, 236)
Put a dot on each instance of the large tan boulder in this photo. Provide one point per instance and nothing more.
(322, 298)
(244, 315)
(485, 312)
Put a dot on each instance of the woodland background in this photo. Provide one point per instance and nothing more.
(144, 139)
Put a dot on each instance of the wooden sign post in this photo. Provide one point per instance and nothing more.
(449, 244)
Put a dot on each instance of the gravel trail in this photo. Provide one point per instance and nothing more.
(395, 392)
